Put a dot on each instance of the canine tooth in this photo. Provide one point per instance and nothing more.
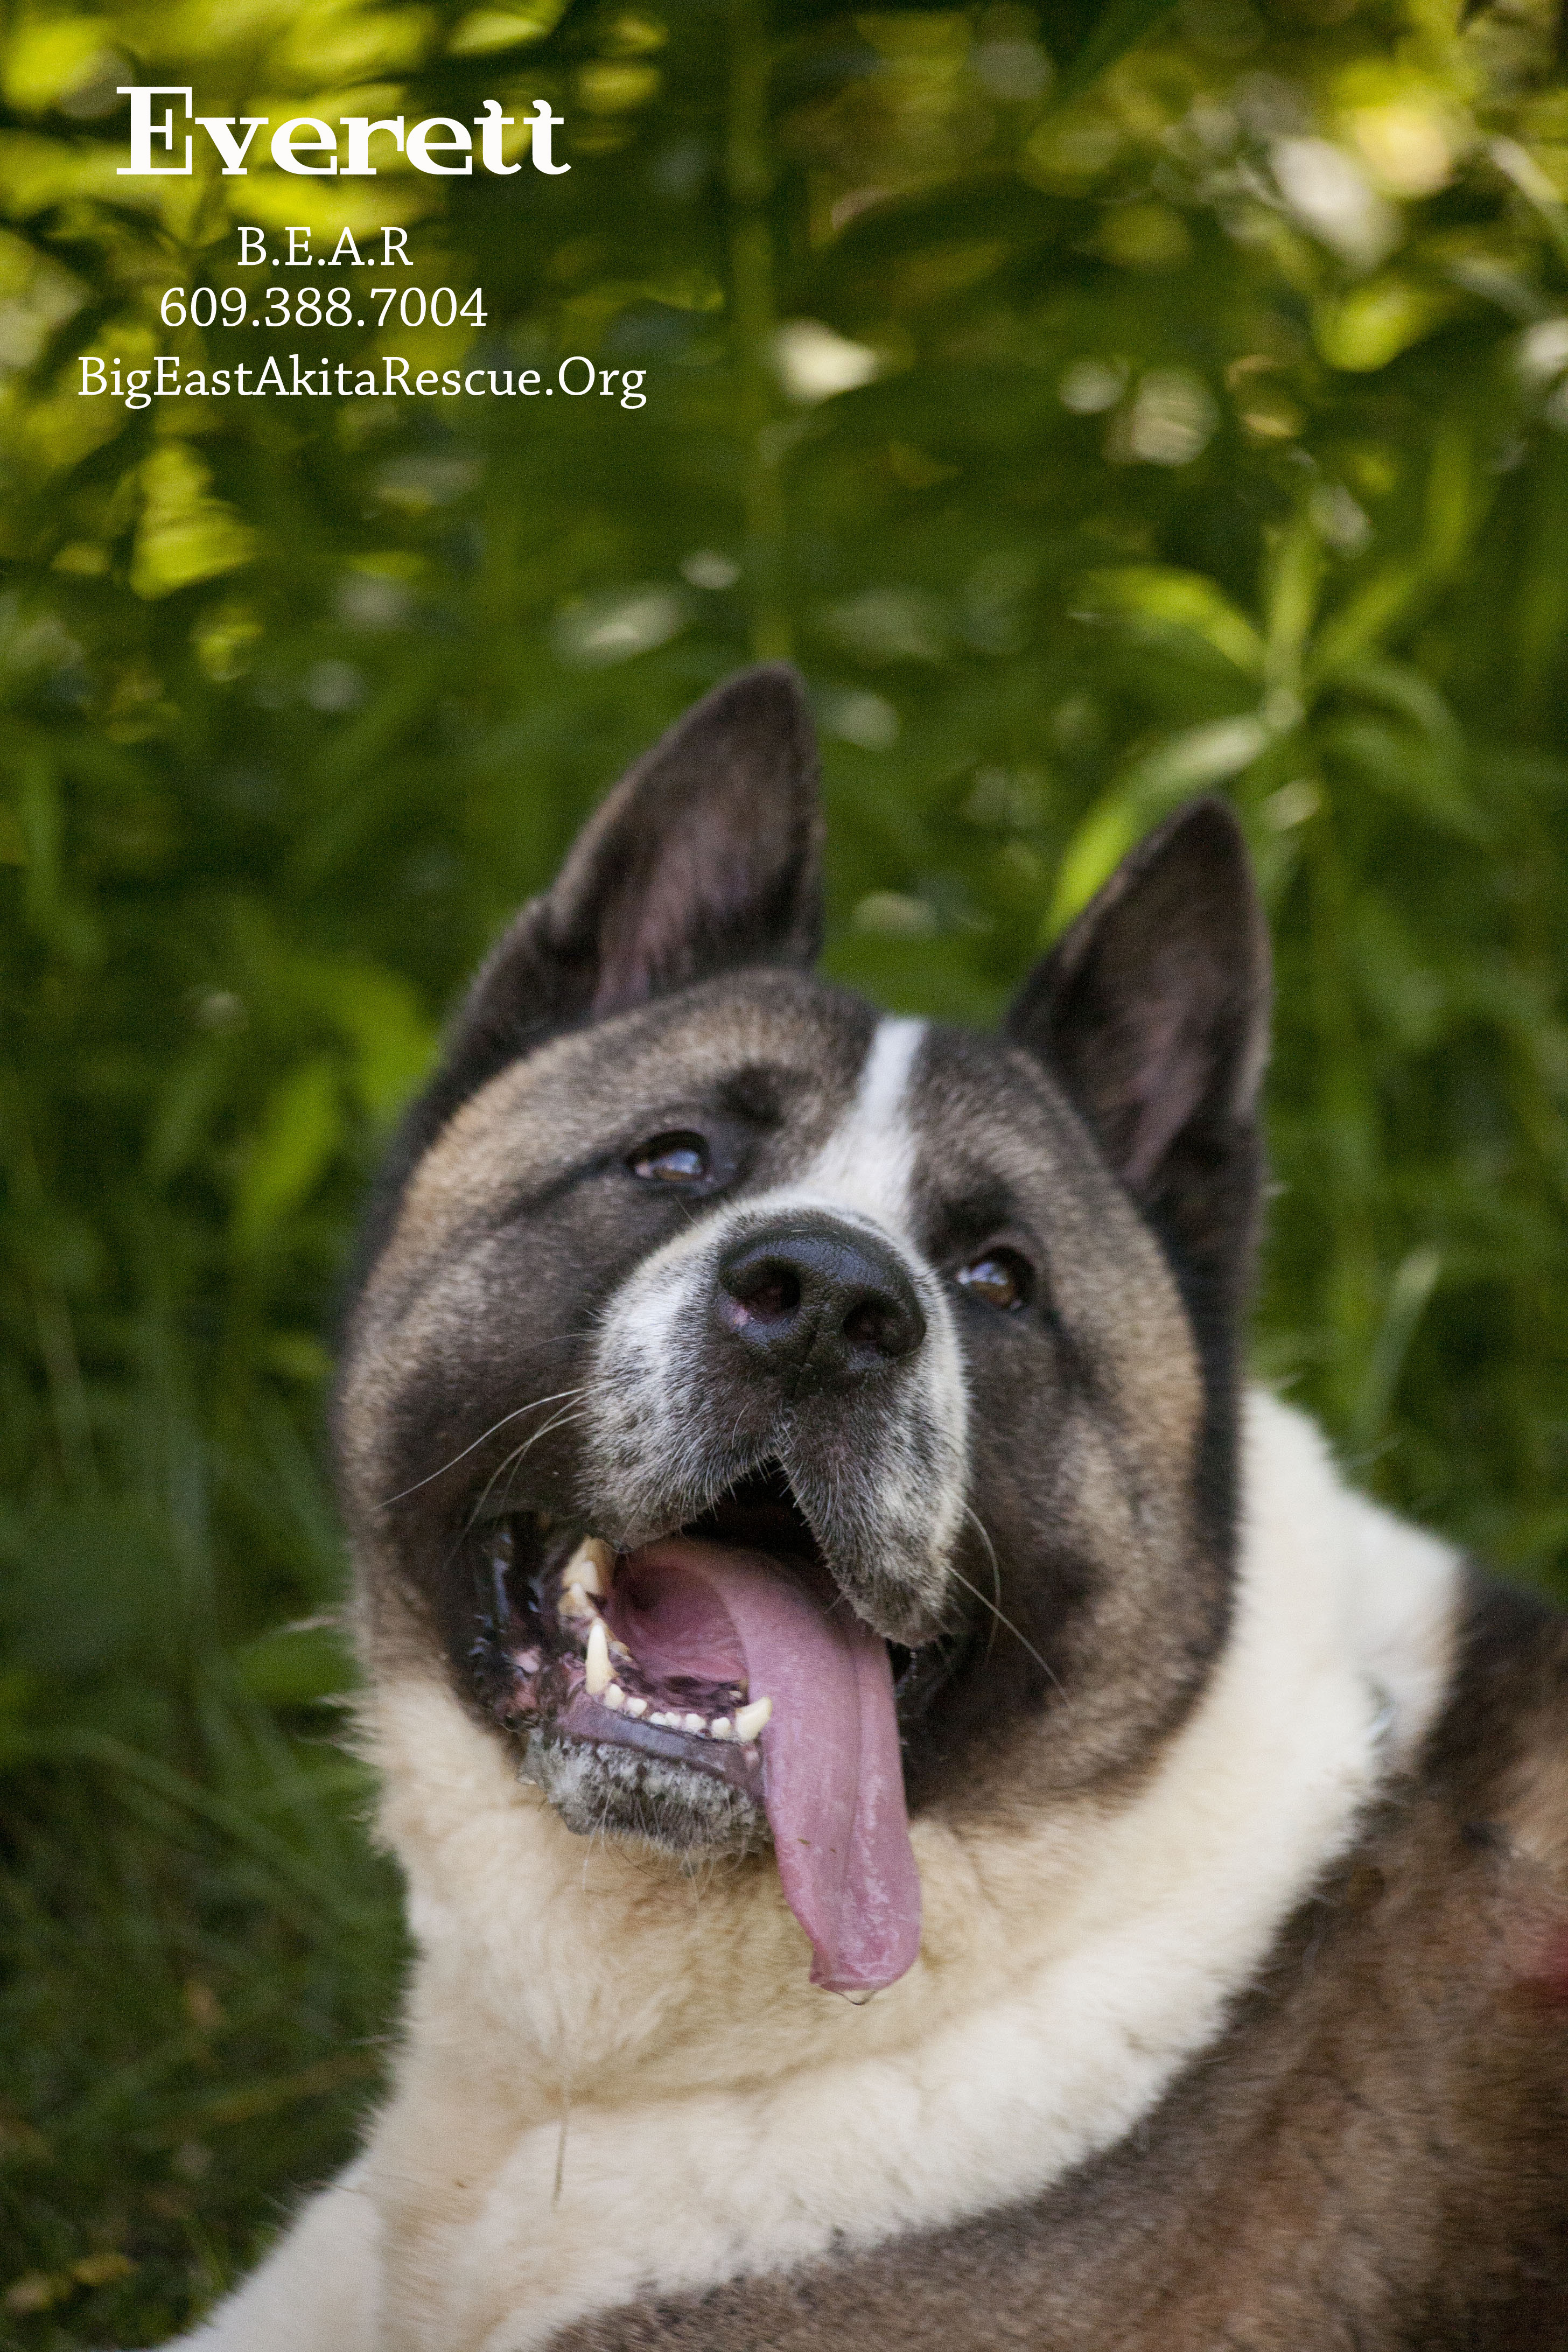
(750, 1721)
(637, 1706)
(589, 1567)
(615, 1698)
(721, 1729)
(596, 1671)
(695, 1723)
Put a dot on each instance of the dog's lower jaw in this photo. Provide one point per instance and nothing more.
(600, 1790)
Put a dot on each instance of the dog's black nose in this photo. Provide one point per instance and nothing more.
(818, 1302)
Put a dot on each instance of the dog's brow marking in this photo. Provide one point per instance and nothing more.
(868, 1161)
(884, 1080)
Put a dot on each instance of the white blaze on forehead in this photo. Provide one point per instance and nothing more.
(868, 1162)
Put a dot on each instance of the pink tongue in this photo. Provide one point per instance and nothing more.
(833, 1778)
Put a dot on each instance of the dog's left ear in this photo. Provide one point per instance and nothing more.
(1152, 1010)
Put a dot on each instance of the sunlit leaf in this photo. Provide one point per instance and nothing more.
(1187, 602)
(184, 534)
(1370, 325)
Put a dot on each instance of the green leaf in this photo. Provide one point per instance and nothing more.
(1401, 687)
(1368, 614)
(1402, 767)
(977, 206)
(1293, 574)
(1363, 330)
(301, 1134)
(380, 1015)
(184, 534)
(1409, 1295)
(1184, 763)
(1168, 602)
(1118, 26)
(1453, 497)
(1093, 856)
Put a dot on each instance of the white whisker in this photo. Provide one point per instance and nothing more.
(519, 1453)
(1007, 1622)
(533, 1403)
(983, 1534)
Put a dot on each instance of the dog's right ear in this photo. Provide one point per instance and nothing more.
(705, 858)
(1152, 1011)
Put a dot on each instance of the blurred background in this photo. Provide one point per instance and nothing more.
(1101, 403)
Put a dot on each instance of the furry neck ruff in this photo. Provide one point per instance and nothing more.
(584, 2020)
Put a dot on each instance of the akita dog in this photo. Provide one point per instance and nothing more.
(933, 1818)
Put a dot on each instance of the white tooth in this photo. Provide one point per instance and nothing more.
(637, 1706)
(696, 1723)
(589, 1567)
(615, 1698)
(721, 1727)
(575, 1605)
(666, 1722)
(749, 1720)
(596, 1672)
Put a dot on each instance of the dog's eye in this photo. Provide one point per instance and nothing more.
(671, 1159)
(999, 1278)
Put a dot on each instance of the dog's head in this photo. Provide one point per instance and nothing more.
(777, 1415)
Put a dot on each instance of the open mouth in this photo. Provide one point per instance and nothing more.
(717, 1674)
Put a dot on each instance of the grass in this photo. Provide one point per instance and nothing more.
(200, 1976)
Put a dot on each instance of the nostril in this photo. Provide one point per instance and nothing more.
(866, 1325)
(884, 1325)
(779, 1295)
(764, 1287)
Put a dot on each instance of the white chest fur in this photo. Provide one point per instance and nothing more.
(615, 2079)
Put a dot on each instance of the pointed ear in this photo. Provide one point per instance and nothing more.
(706, 857)
(1153, 1011)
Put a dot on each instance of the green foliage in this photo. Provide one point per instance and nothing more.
(1102, 405)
